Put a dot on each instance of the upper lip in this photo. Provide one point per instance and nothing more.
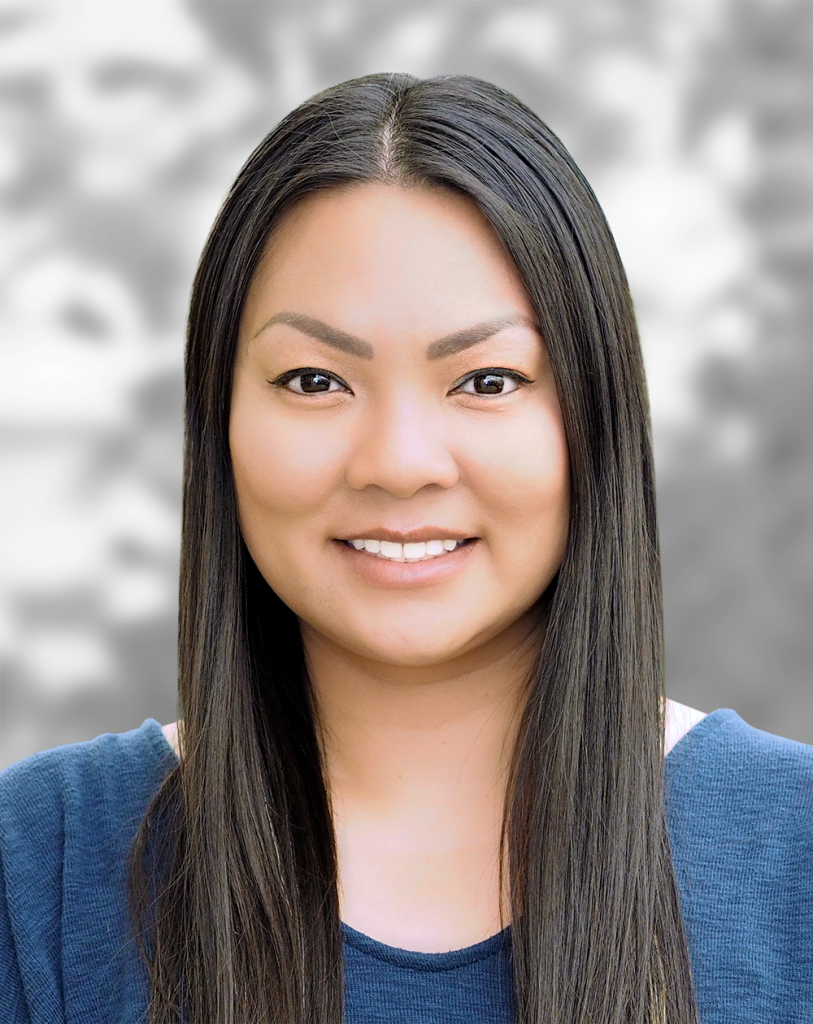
(424, 533)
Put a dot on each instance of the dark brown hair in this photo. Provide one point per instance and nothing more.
(233, 873)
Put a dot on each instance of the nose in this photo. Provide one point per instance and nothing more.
(401, 447)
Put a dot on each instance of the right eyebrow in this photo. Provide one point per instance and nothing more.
(322, 332)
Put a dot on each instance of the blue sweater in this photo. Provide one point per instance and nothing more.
(739, 805)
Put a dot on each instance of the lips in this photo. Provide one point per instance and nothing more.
(418, 535)
(406, 572)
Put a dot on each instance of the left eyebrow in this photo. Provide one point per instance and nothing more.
(443, 347)
(468, 336)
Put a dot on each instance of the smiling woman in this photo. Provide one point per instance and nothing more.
(425, 768)
(415, 442)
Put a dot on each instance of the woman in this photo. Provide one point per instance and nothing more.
(420, 768)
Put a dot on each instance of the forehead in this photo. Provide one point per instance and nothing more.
(374, 253)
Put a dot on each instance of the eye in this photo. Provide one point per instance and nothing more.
(313, 381)
(491, 381)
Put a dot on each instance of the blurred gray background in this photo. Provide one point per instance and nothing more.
(123, 124)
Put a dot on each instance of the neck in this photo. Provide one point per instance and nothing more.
(431, 737)
(416, 761)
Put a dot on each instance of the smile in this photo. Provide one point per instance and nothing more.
(421, 551)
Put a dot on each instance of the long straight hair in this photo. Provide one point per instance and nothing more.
(233, 875)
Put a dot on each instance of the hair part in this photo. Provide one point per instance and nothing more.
(233, 875)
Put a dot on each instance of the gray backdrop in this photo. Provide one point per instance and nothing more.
(124, 123)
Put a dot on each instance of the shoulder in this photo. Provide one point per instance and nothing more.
(76, 805)
(739, 804)
(734, 757)
(740, 812)
(67, 820)
(80, 799)
(103, 774)
(727, 778)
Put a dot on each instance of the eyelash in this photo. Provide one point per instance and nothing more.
(499, 371)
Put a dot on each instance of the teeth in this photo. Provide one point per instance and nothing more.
(405, 552)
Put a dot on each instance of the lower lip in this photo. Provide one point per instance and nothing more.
(383, 572)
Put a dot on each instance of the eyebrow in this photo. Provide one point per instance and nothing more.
(443, 347)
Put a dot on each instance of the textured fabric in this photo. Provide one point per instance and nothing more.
(384, 985)
(67, 818)
(739, 805)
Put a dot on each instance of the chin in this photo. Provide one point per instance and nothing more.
(416, 657)
(413, 648)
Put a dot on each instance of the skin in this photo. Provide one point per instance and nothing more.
(418, 688)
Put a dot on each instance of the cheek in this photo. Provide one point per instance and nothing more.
(283, 471)
(521, 475)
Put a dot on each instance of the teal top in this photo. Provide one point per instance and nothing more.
(739, 806)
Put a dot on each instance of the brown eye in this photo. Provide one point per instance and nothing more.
(493, 382)
(312, 381)
(489, 384)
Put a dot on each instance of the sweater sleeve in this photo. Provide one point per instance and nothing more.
(31, 849)
(67, 820)
(13, 1005)
(740, 807)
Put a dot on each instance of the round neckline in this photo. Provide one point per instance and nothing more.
(415, 960)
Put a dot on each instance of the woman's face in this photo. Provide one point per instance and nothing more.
(390, 381)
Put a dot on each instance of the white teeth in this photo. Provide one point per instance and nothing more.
(417, 552)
